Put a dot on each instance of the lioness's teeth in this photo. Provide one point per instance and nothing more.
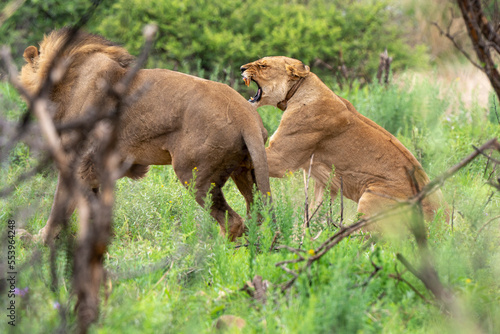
(247, 81)
(252, 98)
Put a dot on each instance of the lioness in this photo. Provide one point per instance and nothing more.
(373, 164)
(168, 118)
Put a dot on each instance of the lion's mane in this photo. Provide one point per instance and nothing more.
(81, 46)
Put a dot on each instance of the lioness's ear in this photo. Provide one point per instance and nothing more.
(297, 70)
(30, 54)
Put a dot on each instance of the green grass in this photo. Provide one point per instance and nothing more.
(171, 272)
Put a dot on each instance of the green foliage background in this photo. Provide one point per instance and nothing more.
(222, 35)
(169, 269)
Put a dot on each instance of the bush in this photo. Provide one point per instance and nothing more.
(226, 34)
(36, 17)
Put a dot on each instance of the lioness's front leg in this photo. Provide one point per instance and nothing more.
(282, 157)
(278, 165)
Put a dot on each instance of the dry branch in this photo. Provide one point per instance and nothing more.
(375, 271)
(307, 219)
(485, 225)
(384, 67)
(484, 38)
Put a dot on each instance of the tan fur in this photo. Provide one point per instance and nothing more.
(373, 164)
(178, 119)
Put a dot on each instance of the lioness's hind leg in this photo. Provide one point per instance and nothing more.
(371, 204)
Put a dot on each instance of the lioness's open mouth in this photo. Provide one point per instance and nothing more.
(258, 95)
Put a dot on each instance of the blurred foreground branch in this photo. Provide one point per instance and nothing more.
(95, 210)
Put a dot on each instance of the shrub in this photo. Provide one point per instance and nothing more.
(226, 34)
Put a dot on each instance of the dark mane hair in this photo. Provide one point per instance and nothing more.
(81, 46)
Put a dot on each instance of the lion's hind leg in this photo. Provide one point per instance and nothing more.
(210, 180)
(224, 214)
(244, 179)
(220, 210)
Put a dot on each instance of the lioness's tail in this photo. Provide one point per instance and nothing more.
(257, 152)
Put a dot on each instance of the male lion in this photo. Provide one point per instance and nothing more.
(373, 164)
(167, 118)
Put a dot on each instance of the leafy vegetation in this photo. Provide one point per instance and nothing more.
(222, 35)
(170, 270)
(228, 33)
(30, 22)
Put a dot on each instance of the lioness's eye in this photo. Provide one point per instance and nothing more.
(262, 66)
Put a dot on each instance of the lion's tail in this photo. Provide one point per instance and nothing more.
(259, 160)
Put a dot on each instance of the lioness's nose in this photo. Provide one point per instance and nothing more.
(243, 68)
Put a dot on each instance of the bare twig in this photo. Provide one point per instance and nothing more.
(437, 182)
(316, 210)
(341, 222)
(93, 238)
(487, 163)
(306, 189)
(375, 271)
(95, 212)
(317, 236)
(399, 278)
(487, 156)
(457, 46)
(296, 251)
(273, 242)
(306, 201)
(485, 225)
(384, 67)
